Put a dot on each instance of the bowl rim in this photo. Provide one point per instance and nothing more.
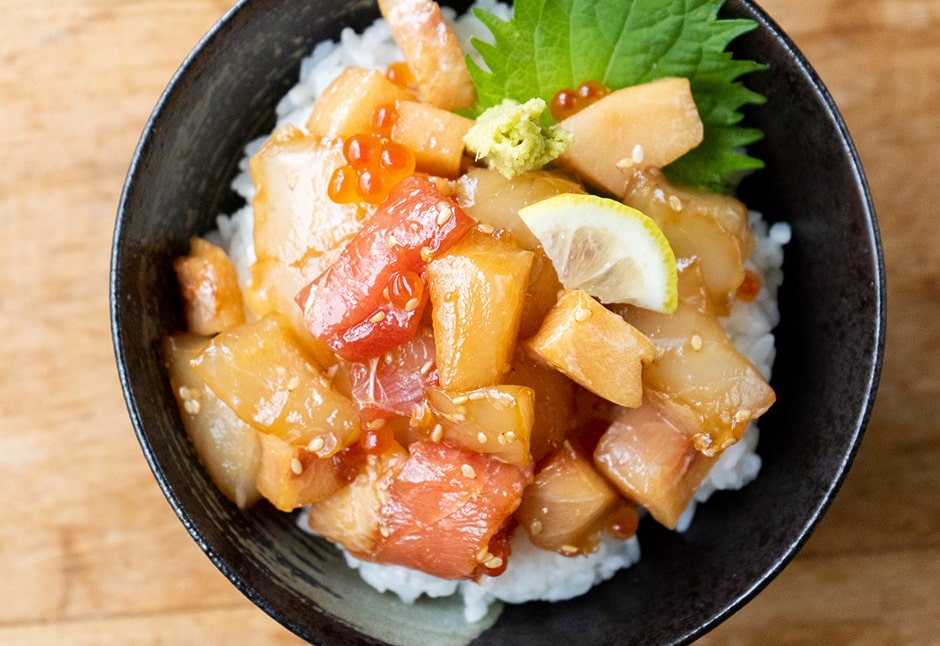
(879, 292)
(218, 32)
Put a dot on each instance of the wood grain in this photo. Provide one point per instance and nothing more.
(96, 554)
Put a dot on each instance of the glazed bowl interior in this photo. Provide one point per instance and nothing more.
(829, 341)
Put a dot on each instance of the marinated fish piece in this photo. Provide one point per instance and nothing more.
(594, 347)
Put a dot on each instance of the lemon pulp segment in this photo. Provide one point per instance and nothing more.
(609, 250)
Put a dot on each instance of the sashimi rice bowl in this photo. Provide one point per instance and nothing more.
(483, 315)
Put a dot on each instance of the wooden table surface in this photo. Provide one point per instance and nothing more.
(91, 553)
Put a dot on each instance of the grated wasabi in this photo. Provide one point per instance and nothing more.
(510, 138)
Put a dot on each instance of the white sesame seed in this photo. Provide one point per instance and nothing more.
(316, 444)
(192, 406)
(510, 437)
(185, 393)
(426, 254)
(280, 371)
(426, 368)
(468, 471)
(476, 396)
(569, 549)
(460, 399)
(535, 528)
(696, 342)
(444, 213)
(493, 562)
(625, 163)
(637, 154)
(486, 228)
(438, 433)
(376, 424)
(294, 383)
(675, 203)
(378, 317)
(481, 437)
(412, 304)
(296, 466)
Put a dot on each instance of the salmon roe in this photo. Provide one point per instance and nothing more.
(384, 119)
(374, 163)
(495, 558)
(567, 101)
(375, 441)
(400, 74)
(623, 522)
(405, 290)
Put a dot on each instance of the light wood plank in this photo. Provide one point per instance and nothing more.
(207, 625)
(96, 553)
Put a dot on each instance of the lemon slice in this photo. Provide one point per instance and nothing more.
(607, 249)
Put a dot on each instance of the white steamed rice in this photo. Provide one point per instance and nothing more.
(532, 573)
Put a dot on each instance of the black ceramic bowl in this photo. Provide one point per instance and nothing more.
(830, 344)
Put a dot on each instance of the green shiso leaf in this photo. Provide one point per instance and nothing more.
(549, 45)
